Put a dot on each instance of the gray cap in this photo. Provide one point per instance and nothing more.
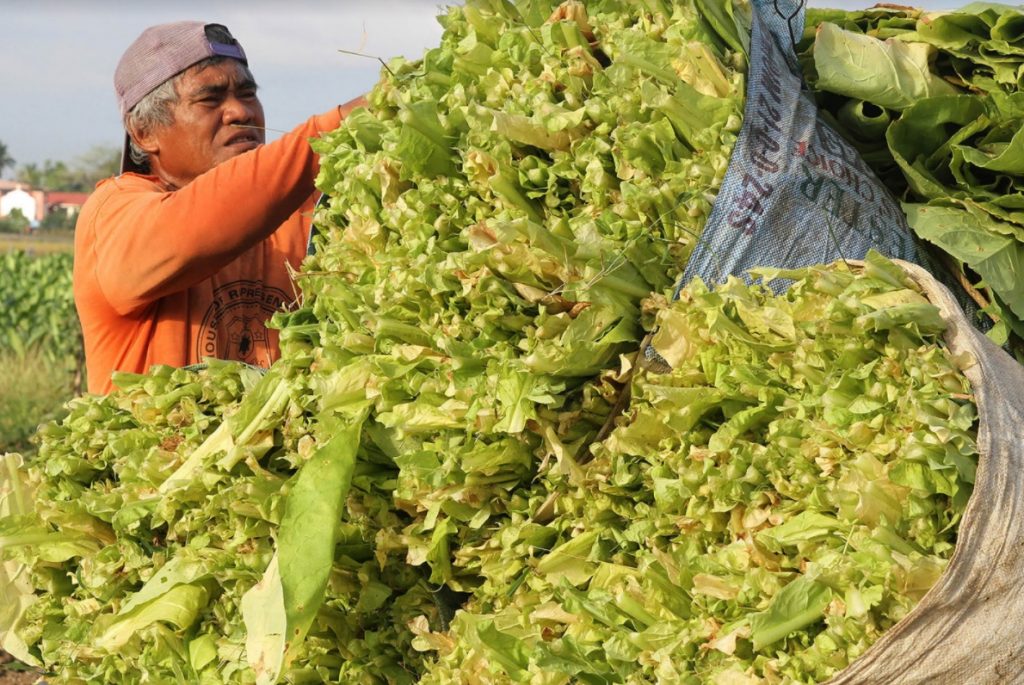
(161, 52)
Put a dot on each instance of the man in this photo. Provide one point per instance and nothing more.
(186, 254)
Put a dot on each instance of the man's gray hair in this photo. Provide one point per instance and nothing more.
(155, 109)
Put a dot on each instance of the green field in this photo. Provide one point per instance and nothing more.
(33, 389)
(40, 339)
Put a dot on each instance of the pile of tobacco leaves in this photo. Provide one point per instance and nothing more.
(428, 486)
(762, 512)
(932, 100)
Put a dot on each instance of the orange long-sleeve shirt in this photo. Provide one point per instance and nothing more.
(171, 277)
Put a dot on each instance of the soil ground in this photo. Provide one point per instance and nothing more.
(10, 674)
(18, 677)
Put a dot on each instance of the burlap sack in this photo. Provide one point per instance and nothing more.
(970, 627)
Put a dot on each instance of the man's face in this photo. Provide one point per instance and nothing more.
(211, 100)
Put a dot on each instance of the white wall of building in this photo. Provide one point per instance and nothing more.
(18, 199)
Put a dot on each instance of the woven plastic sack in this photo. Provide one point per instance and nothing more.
(795, 193)
(969, 628)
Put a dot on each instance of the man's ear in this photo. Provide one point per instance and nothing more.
(144, 140)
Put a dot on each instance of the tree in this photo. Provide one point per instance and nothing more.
(51, 176)
(58, 220)
(5, 158)
(80, 176)
(100, 162)
(30, 174)
(15, 222)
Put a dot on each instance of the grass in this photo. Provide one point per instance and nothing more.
(38, 243)
(33, 389)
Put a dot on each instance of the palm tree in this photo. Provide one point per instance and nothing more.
(5, 159)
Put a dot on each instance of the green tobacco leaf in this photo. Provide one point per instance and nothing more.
(796, 606)
(188, 567)
(997, 258)
(15, 584)
(180, 606)
(529, 132)
(219, 442)
(505, 649)
(423, 145)
(892, 73)
(924, 316)
(804, 527)
(15, 492)
(920, 139)
(312, 511)
(864, 120)
(1001, 149)
(571, 560)
(202, 651)
(262, 406)
(722, 16)
(258, 414)
(439, 551)
(30, 533)
(266, 624)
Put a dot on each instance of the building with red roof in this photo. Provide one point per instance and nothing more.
(35, 205)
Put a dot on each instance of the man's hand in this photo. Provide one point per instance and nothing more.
(347, 108)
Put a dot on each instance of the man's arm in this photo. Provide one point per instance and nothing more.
(149, 244)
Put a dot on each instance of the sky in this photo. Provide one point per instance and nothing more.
(57, 59)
